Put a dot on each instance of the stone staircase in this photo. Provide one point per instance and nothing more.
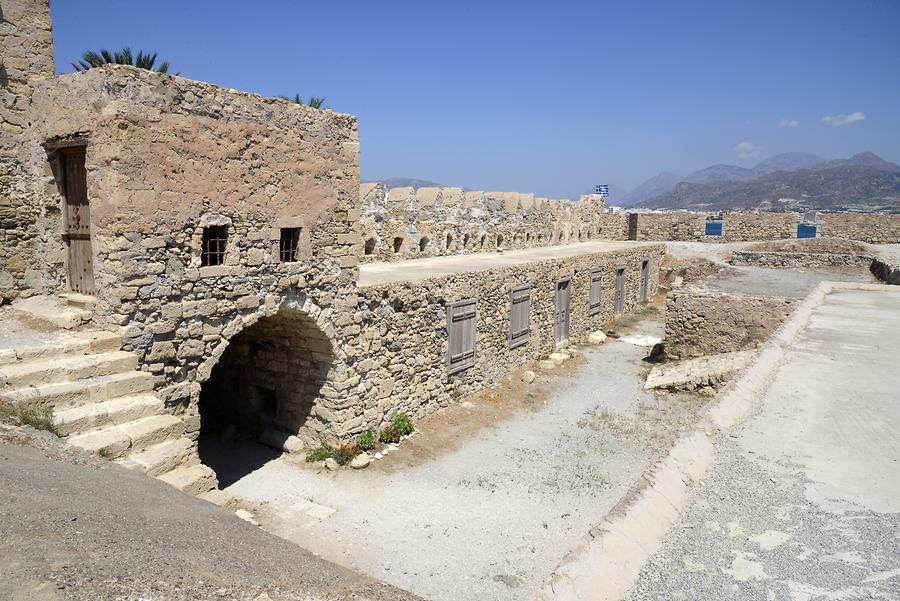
(103, 404)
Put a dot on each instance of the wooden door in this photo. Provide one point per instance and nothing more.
(620, 290)
(561, 313)
(77, 216)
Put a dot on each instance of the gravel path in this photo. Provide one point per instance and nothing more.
(493, 516)
(77, 527)
(804, 501)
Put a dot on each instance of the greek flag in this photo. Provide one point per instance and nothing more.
(601, 189)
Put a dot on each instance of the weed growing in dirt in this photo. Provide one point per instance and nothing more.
(39, 418)
(401, 426)
(320, 454)
(366, 440)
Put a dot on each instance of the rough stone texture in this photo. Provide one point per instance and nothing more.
(26, 58)
(885, 271)
(702, 322)
(799, 260)
(667, 226)
(402, 357)
(872, 228)
(402, 223)
(758, 226)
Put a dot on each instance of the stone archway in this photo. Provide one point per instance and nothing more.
(268, 376)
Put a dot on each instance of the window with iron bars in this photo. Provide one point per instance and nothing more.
(289, 244)
(215, 239)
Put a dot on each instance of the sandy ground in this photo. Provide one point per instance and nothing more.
(804, 502)
(486, 501)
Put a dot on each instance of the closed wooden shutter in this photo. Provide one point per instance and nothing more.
(594, 295)
(461, 320)
(620, 290)
(519, 315)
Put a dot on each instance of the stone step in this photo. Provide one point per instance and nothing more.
(150, 431)
(67, 368)
(88, 390)
(106, 413)
(52, 310)
(82, 343)
(192, 479)
(79, 301)
(131, 437)
(163, 457)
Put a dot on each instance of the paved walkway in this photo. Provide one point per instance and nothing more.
(804, 501)
(373, 274)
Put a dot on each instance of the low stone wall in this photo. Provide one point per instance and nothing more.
(886, 272)
(400, 355)
(403, 223)
(872, 228)
(701, 322)
(667, 226)
(758, 226)
(794, 260)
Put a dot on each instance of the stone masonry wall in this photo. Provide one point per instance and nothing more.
(26, 58)
(403, 223)
(166, 157)
(758, 226)
(799, 260)
(401, 357)
(667, 226)
(703, 322)
(872, 228)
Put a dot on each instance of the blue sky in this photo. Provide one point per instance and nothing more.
(541, 97)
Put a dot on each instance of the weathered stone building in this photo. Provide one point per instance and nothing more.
(217, 234)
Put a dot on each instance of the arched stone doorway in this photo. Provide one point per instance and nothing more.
(269, 377)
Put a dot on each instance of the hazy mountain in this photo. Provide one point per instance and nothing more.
(658, 184)
(404, 182)
(720, 173)
(788, 161)
(863, 159)
(864, 182)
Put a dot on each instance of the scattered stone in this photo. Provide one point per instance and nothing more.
(360, 461)
(246, 516)
(546, 364)
(558, 358)
(331, 464)
(707, 391)
(658, 351)
(378, 456)
(613, 334)
(281, 441)
(528, 377)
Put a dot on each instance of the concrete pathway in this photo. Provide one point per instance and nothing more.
(492, 517)
(804, 500)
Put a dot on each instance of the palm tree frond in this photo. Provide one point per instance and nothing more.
(91, 59)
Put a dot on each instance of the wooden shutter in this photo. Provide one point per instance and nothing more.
(620, 290)
(594, 295)
(519, 315)
(461, 319)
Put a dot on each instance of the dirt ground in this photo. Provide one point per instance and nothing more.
(491, 494)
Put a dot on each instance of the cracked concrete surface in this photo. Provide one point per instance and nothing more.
(804, 501)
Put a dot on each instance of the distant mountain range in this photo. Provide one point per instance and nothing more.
(789, 181)
(403, 182)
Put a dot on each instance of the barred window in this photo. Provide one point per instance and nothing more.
(212, 251)
(289, 244)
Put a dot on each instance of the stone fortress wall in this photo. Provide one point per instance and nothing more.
(758, 226)
(872, 228)
(403, 223)
(26, 59)
(667, 226)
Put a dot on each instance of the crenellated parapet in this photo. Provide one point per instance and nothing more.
(405, 223)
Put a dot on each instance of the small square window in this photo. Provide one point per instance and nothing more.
(289, 244)
(215, 239)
